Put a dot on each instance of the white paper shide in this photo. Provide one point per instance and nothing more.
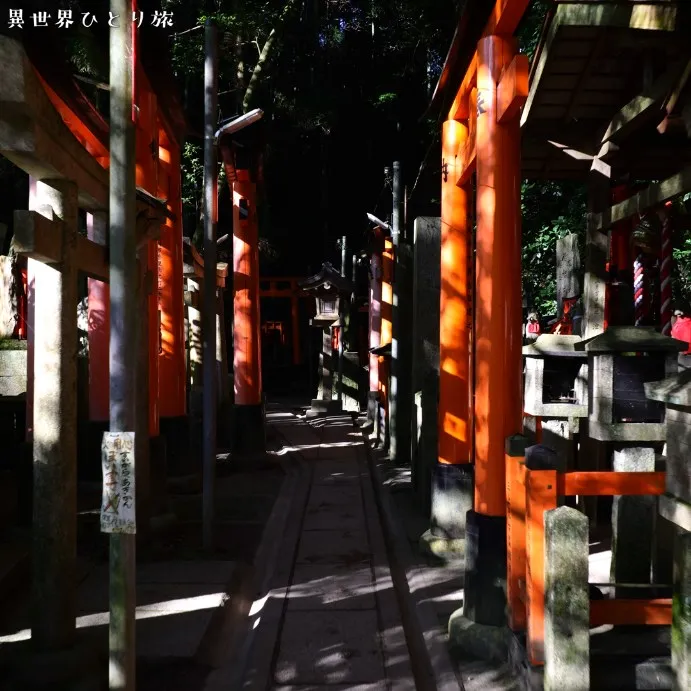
(117, 461)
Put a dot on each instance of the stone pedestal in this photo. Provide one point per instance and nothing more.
(633, 521)
(567, 601)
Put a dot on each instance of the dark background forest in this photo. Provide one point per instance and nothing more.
(345, 86)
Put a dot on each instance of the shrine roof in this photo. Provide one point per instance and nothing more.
(326, 277)
(602, 80)
(554, 345)
(193, 264)
(675, 390)
(631, 339)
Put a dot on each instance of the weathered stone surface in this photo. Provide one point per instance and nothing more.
(452, 498)
(629, 339)
(13, 372)
(676, 511)
(541, 457)
(632, 524)
(332, 587)
(55, 425)
(568, 269)
(567, 603)
(562, 436)
(534, 389)
(333, 547)
(681, 613)
(8, 297)
(329, 648)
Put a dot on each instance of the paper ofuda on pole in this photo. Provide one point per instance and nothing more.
(117, 462)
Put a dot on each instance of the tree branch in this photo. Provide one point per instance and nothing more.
(266, 54)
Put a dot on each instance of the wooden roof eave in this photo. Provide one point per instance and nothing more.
(635, 16)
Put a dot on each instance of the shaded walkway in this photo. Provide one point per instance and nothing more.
(328, 615)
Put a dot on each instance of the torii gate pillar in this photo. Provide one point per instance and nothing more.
(248, 433)
(502, 78)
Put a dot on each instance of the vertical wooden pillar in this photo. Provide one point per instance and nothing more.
(172, 371)
(295, 328)
(154, 329)
(374, 327)
(498, 395)
(452, 483)
(498, 316)
(454, 356)
(248, 434)
(99, 328)
(246, 324)
(386, 329)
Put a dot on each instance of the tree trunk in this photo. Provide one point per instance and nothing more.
(266, 54)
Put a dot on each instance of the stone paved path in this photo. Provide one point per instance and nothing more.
(331, 617)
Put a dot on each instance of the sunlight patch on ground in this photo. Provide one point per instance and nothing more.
(158, 609)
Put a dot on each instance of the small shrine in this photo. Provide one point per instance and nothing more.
(330, 291)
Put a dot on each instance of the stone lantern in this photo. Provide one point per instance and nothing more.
(556, 390)
(620, 362)
(330, 291)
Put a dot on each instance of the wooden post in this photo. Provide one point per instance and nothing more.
(515, 533)
(55, 424)
(123, 331)
(99, 326)
(172, 368)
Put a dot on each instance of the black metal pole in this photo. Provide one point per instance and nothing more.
(210, 397)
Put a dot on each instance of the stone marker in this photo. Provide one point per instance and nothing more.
(568, 269)
(8, 296)
(55, 425)
(633, 521)
(681, 613)
(426, 296)
(567, 603)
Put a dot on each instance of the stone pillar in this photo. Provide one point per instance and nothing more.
(426, 296)
(99, 329)
(221, 349)
(568, 269)
(325, 391)
(401, 400)
(681, 613)
(55, 427)
(633, 522)
(567, 601)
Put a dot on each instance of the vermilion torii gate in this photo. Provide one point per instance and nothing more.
(481, 137)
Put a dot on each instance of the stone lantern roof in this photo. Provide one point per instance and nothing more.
(628, 339)
(553, 345)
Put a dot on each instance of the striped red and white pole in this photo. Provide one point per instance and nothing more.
(639, 289)
(666, 273)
